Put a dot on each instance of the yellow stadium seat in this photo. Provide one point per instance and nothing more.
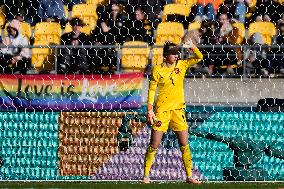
(25, 28)
(85, 29)
(170, 31)
(266, 29)
(2, 16)
(135, 59)
(86, 12)
(157, 54)
(187, 2)
(253, 3)
(175, 9)
(42, 58)
(96, 2)
(194, 26)
(251, 8)
(241, 32)
(47, 33)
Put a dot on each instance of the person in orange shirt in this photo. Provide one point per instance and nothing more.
(207, 9)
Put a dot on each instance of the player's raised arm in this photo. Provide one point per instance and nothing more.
(197, 57)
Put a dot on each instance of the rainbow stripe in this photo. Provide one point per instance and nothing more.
(70, 92)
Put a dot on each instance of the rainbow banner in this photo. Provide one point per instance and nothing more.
(70, 92)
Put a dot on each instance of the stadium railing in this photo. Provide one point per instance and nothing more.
(235, 55)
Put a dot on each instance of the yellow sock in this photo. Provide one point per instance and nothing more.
(187, 160)
(149, 158)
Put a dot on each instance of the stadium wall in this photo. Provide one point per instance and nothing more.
(228, 91)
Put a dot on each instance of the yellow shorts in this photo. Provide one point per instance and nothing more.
(175, 119)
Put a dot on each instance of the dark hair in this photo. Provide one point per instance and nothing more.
(170, 48)
(140, 9)
(76, 22)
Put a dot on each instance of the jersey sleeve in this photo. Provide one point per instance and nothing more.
(198, 56)
(153, 85)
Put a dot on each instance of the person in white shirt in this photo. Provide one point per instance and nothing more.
(15, 60)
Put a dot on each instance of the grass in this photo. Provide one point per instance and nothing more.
(135, 185)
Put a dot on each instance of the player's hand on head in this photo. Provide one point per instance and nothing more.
(188, 44)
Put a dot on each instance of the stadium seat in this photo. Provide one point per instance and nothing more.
(26, 30)
(170, 31)
(85, 29)
(2, 16)
(96, 2)
(47, 33)
(86, 12)
(135, 59)
(241, 32)
(266, 29)
(42, 58)
(157, 54)
(175, 9)
(186, 2)
(194, 26)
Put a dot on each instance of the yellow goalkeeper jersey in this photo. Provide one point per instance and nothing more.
(170, 83)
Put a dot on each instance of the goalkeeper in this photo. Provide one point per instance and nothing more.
(168, 77)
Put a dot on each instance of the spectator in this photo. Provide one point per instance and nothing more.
(110, 30)
(24, 10)
(15, 60)
(223, 35)
(74, 60)
(205, 36)
(71, 3)
(272, 8)
(140, 28)
(195, 36)
(238, 9)
(52, 10)
(257, 62)
(276, 55)
(207, 9)
(282, 18)
(153, 9)
(280, 38)
(112, 26)
(280, 41)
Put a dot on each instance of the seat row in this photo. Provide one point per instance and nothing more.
(132, 59)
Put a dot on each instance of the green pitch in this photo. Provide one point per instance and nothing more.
(129, 185)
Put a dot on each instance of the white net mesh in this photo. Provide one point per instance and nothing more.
(74, 85)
